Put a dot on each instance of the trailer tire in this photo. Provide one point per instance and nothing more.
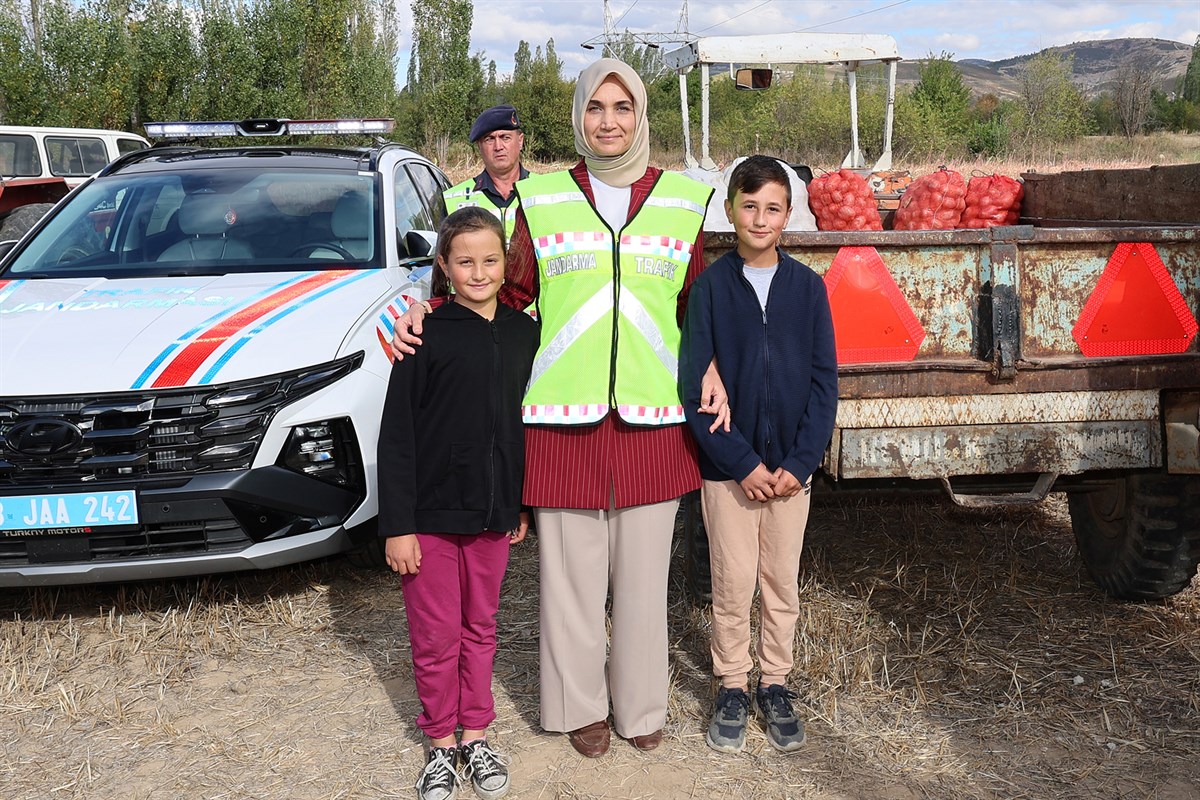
(1139, 537)
(18, 223)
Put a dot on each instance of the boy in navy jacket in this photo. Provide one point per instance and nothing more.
(765, 317)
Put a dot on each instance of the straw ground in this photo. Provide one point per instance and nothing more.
(942, 653)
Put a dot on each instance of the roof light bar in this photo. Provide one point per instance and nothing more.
(267, 127)
(190, 130)
(340, 126)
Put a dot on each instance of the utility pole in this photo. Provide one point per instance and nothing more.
(655, 39)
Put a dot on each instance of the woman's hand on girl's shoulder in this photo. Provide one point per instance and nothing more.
(403, 554)
(406, 336)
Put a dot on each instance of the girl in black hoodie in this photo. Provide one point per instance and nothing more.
(451, 463)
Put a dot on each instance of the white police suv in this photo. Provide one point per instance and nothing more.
(193, 354)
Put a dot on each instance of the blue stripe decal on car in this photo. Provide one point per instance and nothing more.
(6, 291)
(228, 354)
(181, 340)
(387, 323)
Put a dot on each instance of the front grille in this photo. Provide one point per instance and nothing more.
(151, 438)
(192, 537)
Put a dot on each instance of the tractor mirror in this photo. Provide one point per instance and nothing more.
(752, 79)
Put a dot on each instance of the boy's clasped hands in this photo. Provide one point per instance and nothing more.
(762, 484)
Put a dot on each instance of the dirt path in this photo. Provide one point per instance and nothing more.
(943, 653)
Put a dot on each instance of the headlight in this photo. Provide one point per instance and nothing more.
(326, 450)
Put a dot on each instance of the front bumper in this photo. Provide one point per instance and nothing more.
(216, 522)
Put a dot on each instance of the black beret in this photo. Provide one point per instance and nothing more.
(496, 118)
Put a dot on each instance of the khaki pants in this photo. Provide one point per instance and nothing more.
(749, 541)
(581, 554)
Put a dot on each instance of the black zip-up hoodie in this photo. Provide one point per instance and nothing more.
(451, 443)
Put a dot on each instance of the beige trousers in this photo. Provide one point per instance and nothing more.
(749, 541)
(582, 554)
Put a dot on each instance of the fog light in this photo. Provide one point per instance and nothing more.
(325, 450)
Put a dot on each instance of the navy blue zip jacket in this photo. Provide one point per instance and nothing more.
(779, 368)
(451, 443)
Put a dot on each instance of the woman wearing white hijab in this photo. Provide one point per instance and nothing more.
(606, 250)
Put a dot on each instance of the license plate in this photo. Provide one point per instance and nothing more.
(37, 514)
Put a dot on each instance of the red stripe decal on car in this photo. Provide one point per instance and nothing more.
(184, 365)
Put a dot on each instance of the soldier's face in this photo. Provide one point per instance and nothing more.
(501, 150)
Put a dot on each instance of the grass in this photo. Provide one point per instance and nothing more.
(941, 653)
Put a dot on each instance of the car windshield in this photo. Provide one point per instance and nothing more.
(209, 221)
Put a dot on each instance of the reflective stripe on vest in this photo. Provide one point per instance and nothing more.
(572, 381)
(464, 195)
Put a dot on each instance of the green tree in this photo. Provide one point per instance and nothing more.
(547, 118)
(227, 81)
(24, 80)
(646, 61)
(1051, 110)
(522, 64)
(166, 64)
(1172, 114)
(372, 41)
(1189, 87)
(935, 117)
(1102, 113)
(86, 51)
(276, 34)
(941, 97)
(447, 78)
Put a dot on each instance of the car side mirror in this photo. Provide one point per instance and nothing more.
(7, 246)
(753, 78)
(419, 243)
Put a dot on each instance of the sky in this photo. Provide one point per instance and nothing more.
(986, 29)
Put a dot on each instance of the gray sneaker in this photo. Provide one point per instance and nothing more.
(727, 728)
(439, 779)
(487, 769)
(785, 730)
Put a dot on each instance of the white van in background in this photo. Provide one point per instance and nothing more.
(68, 153)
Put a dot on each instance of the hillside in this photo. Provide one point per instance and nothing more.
(1095, 66)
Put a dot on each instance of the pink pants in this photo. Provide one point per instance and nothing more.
(451, 606)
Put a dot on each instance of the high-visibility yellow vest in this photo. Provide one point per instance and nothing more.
(465, 194)
(591, 360)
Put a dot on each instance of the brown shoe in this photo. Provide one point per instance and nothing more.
(591, 740)
(647, 742)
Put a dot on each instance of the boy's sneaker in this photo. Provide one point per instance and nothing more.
(727, 728)
(785, 730)
(439, 780)
(487, 769)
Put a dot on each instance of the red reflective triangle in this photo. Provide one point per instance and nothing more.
(1135, 309)
(872, 320)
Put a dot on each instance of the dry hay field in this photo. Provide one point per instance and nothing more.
(942, 653)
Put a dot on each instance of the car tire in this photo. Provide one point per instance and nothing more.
(368, 555)
(18, 223)
(1139, 536)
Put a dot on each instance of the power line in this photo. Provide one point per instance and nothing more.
(811, 27)
(735, 16)
(618, 22)
(852, 16)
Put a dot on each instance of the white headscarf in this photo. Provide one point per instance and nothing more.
(622, 170)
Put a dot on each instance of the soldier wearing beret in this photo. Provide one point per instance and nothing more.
(497, 131)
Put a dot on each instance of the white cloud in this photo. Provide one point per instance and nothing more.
(959, 44)
(990, 29)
